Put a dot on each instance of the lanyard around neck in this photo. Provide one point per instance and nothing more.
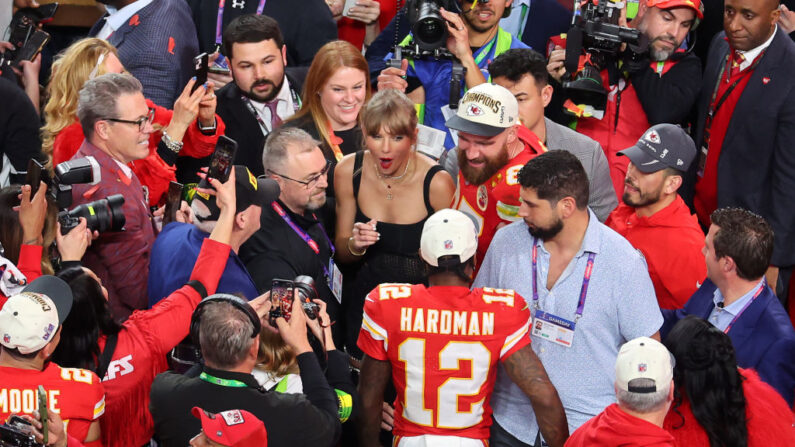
(231, 383)
(585, 280)
(487, 49)
(753, 298)
(304, 235)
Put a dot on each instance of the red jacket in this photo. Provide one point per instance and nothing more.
(671, 241)
(770, 421)
(144, 341)
(152, 171)
(613, 427)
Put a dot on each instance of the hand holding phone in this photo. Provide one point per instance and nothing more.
(43, 413)
(200, 67)
(33, 176)
(282, 291)
(221, 162)
(173, 202)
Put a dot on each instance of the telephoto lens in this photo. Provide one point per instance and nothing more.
(305, 287)
(101, 215)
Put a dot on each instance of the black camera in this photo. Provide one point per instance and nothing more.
(17, 432)
(24, 34)
(101, 215)
(282, 292)
(592, 44)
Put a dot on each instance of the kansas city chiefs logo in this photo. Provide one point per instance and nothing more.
(653, 136)
(473, 110)
(642, 367)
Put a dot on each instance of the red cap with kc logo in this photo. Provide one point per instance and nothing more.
(233, 428)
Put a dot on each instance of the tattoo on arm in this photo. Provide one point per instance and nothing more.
(526, 370)
(373, 379)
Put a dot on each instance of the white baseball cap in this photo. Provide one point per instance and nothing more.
(644, 358)
(485, 110)
(30, 319)
(448, 233)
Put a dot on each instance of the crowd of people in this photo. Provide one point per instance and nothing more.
(383, 260)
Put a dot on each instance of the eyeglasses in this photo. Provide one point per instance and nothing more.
(140, 122)
(308, 184)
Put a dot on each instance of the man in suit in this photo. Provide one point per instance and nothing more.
(524, 73)
(156, 40)
(117, 123)
(736, 299)
(264, 93)
(746, 126)
(535, 21)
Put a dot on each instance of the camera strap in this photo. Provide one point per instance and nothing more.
(107, 354)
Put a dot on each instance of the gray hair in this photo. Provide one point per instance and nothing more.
(278, 142)
(644, 402)
(98, 97)
(224, 334)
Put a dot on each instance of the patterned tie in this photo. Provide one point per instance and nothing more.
(737, 60)
(275, 120)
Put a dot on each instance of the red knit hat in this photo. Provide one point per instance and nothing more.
(233, 428)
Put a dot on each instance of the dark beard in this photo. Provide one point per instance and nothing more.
(267, 98)
(479, 176)
(644, 199)
(548, 233)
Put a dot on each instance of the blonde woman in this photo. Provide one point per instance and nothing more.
(180, 129)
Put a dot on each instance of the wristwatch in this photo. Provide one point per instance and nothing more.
(207, 130)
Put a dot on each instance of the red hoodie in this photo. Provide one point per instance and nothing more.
(671, 241)
(770, 421)
(613, 428)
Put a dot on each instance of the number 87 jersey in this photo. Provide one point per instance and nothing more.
(443, 344)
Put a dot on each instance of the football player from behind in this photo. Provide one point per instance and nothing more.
(441, 345)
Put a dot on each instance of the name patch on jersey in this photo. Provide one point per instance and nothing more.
(446, 322)
(26, 401)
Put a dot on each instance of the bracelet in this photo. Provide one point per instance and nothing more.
(173, 146)
(354, 252)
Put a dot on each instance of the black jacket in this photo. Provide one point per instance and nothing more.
(19, 133)
(292, 420)
(306, 25)
(276, 251)
(241, 126)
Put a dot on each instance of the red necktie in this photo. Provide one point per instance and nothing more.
(275, 120)
(737, 59)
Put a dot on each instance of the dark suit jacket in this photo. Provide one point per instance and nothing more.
(241, 126)
(763, 336)
(157, 46)
(756, 169)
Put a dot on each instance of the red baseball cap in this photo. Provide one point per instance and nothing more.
(695, 5)
(233, 428)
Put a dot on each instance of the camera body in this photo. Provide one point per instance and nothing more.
(101, 215)
(22, 29)
(16, 432)
(592, 44)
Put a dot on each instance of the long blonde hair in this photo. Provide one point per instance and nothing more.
(71, 69)
(330, 58)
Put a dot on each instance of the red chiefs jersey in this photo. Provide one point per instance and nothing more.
(496, 201)
(443, 344)
(75, 394)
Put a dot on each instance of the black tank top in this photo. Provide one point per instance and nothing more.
(395, 238)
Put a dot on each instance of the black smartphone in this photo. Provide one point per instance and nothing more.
(43, 413)
(173, 202)
(223, 159)
(200, 67)
(32, 47)
(282, 291)
(33, 176)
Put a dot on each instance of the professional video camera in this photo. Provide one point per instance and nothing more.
(592, 44)
(16, 432)
(429, 32)
(101, 215)
(24, 34)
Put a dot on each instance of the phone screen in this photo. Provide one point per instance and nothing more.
(223, 159)
(200, 70)
(282, 296)
(33, 176)
(43, 413)
(173, 201)
(32, 47)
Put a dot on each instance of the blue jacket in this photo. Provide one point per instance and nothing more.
(763, 336)
(173, 255)
(157, 46)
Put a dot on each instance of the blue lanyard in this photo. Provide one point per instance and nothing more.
(753, 298)
(303, 234)
(219, 21)
(586, 279)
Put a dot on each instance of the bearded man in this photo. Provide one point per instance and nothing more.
(492, 148)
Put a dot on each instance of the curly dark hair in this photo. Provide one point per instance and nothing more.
(706, 374)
